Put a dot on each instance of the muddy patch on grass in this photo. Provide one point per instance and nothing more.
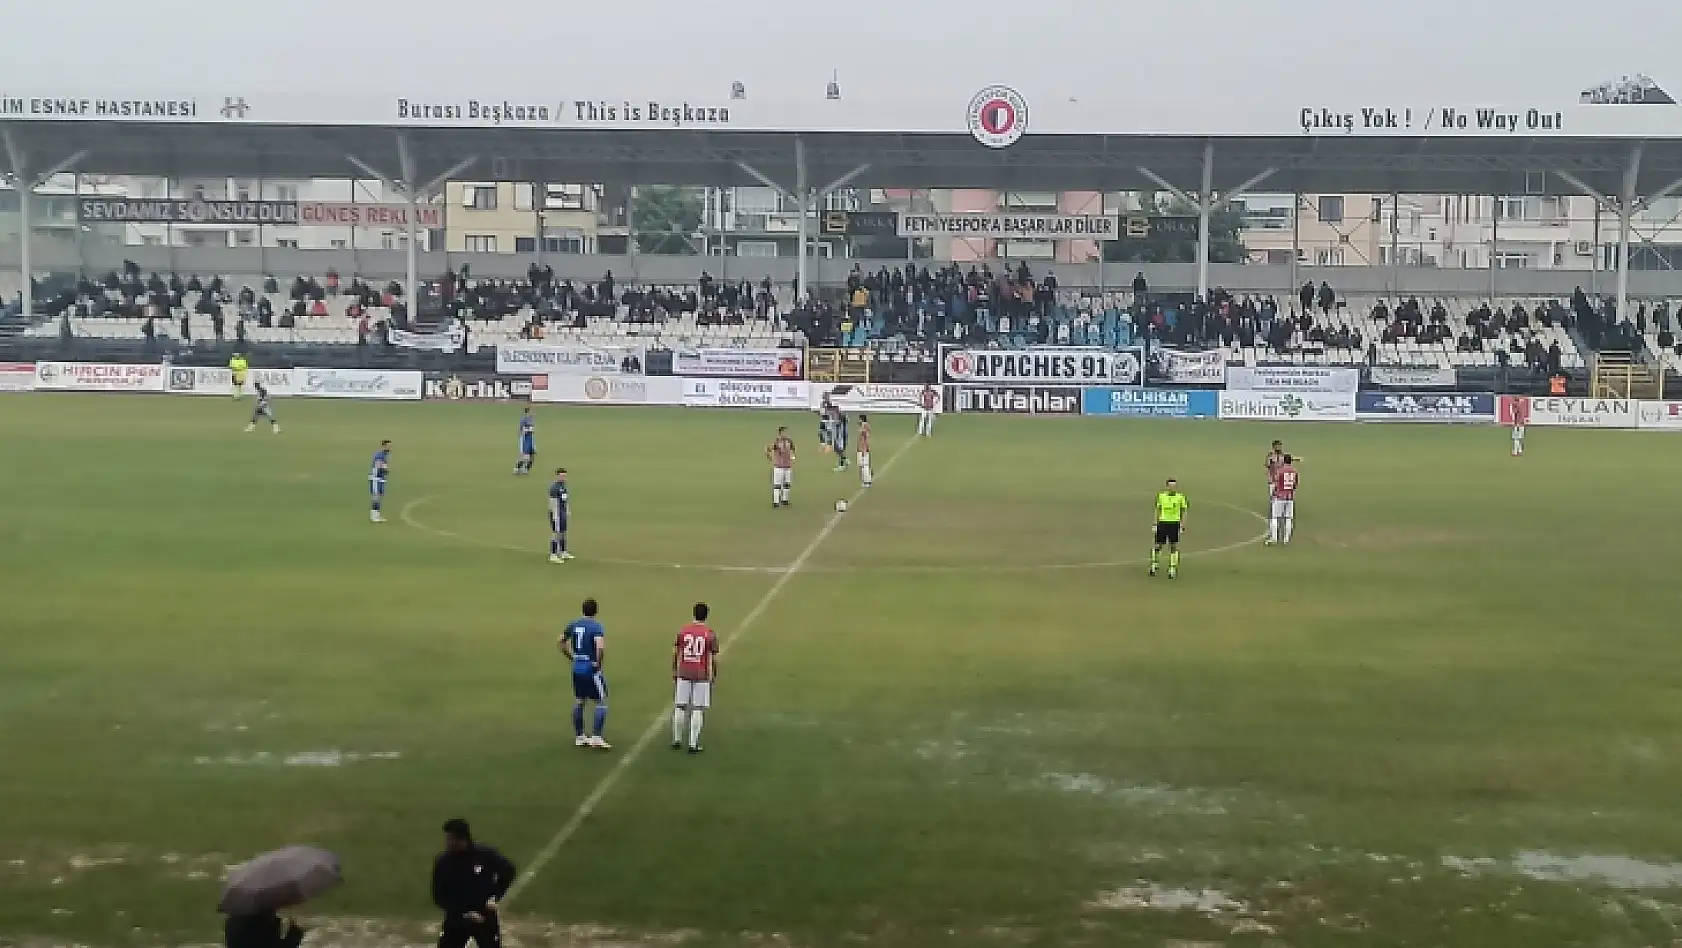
(1611, 871)
(1163, 799)
(314, 758)
(1220, 908)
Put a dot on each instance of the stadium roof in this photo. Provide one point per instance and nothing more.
(1586, 131)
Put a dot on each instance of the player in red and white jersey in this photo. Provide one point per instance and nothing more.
(865, 475)
(780, 452)
(1283, 504)
(1275, 458)
(694, 669)
(925, 421)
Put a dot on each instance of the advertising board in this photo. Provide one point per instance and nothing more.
(1567, 412)
(1465, 408)
(610, 390)
(1293, 378)
(1659, 416)
(1013, 399)
(739, 363)
(1189, 368)
(543, 358)
(1150, 402)
(741, 393)
(475, 388)
(17, 376)
(1394, 376)
(1047, 365)
(873, 398)
(98, 377)
(1287, 406)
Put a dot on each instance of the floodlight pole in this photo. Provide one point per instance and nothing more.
(1494, 241)
(25, 184)
(1205, 205)
(1296, 239)
(1395, 226)
(803, 191)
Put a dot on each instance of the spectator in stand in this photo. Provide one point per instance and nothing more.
(1140, 289)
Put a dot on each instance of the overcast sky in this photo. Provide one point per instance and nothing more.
(935, 49)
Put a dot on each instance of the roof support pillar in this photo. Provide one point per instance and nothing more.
(804, 190)
(1626, 209)
(1494, 242)
(408, 173)
(25, 182)
(1205, 206)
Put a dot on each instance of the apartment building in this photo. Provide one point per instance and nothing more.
(509, 217)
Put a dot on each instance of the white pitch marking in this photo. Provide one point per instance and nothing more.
(662, 719)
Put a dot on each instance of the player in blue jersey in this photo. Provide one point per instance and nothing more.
(263, 411)
(581, 643)
(528, 443)
(838, 438)
(560, 507)
(378, 472)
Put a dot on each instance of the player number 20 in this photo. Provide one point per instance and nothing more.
(694, 648)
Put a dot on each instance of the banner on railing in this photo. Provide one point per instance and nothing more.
(1150, 402)
(1567, 412)
(873, 398)
(544, 358)
(450, 340)
(1474, 408)
(202, 380)
(98, 377)
(1047, 365)
(1395, 376)
(1660, 416)
(1189, 368)
(609, 390)
(739, 393)
(17, 376)
(1287, 406)
(1293, 378)
(739, 363)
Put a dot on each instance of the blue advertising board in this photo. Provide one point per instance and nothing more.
(1150, 402)
(1465, 407)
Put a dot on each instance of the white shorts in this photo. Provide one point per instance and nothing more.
(864, 459)
(693, 694)
(782, 476)
(1284, 509)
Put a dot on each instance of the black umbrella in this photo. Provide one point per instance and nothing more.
(280, 879)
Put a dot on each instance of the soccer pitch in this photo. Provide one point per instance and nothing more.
(1448, 714)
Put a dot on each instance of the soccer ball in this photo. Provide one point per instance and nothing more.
(840, 506)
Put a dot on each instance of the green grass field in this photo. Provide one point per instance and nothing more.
(1450, 714)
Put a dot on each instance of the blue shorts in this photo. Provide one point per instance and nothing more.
(589, 686)
(528, 446)
(376, 486)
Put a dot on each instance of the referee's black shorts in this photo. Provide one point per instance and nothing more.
(1168, 531)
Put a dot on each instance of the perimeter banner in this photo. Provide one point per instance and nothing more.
(1011, 226)
(1287, 406)
(1293, 378)
(1046, 365)
(17, 376)
(98, 377)
(874, 398)
(1474, 408)
(1189, 368)
(172, 211)
(542, 358)
(740, 363)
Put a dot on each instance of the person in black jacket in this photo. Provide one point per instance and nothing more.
(262, 930)
(468, 881)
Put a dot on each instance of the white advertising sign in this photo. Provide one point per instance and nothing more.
(737, 393)
(98, 377)
(1012, 226)
(609, 390)
(450, 340)
(1660, 416)
(355, 383)
(1583, 412)
(1393, 376)
(543, 358)
(874, 398)
(1287, 406)
(199, 380)
(1292, 378)
(1191, 368)
(739, 363)
(17, 376)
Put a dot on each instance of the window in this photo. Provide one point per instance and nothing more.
(287, 193)
(245, 238)
(563, 197)
(1331, 256)
(756, 248)
(564, 243)
(480, 243)
(845, 199)
(198, 192)
(755, 201)
(1377, 210)
(525, 245)
(242, 192)
(1513, 261)
(1331, 208)
(338, 243)
(1046, 200)
(478, 197)
(523, 195)
(286, 243)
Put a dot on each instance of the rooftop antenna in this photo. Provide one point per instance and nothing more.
(834, 91)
